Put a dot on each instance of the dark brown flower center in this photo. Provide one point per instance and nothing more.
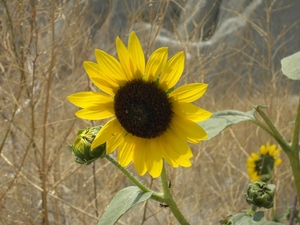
(143, 109)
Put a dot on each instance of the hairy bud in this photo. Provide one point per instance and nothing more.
(260, 194)
(82, 146)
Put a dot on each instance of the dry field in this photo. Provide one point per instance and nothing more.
(43, 46)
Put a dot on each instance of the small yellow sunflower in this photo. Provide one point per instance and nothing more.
(261, 163)
(150, 121)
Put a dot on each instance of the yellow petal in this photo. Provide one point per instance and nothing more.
(190, 130)
(175, 148)
(190, 111)
(263, 150)
(255, 156)
(275, 153)
(125, 59)
(172, 72)
(251, 163)
(277, 162)
(156, 63)
(99, 112)
(153, 157)
(250, 160)
(126, 150)
(100, 80)
(188, 92)
(139, 155)
(114, 141)
(136, 51)
(166, 154)
(108, 130)
(182, 148)
(111, 67)
(255, 177)
(250, 171)
(271, 149)
(170, 159)
(89, 99)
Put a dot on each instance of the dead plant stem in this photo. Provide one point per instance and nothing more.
(45, 119)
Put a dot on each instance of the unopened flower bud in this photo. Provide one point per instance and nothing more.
(82, 146)
(260, 194)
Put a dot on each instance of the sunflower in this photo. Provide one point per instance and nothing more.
(149, 119)
(262, 162)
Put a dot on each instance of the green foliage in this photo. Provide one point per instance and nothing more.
(122, 202)
(260, 194)
(223, 119)
(247, 219)
(291, 66)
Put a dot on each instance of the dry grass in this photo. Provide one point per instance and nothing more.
(41, 62)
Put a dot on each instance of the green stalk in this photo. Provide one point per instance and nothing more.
(291, 151)
(294, 156)
(275, 133)
(130, 176)
(295, 140)
(253, 208)
(266, 129)
(294, 162)
(134, 180)
(168, 199)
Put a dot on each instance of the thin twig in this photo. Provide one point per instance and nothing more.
(145, 206)
(293, 211)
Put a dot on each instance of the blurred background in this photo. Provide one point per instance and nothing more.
(233, 45)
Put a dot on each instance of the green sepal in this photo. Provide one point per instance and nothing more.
(82, 146)
(260, 194)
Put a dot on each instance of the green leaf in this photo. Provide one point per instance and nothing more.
(121, 203)
(258, 216)
(223, 119)
(290, 66)
(245, 219)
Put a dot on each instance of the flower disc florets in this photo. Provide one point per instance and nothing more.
(143, 109)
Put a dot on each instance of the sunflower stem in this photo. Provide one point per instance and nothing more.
(168, 198)
(130, 176)
(266, 129)
(295, 140)
(294, 156)
(274, 132)
(292, 151)
(134, 180)
(253, 208)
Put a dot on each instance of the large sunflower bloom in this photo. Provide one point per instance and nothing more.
(150, 121)
(262, 162)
